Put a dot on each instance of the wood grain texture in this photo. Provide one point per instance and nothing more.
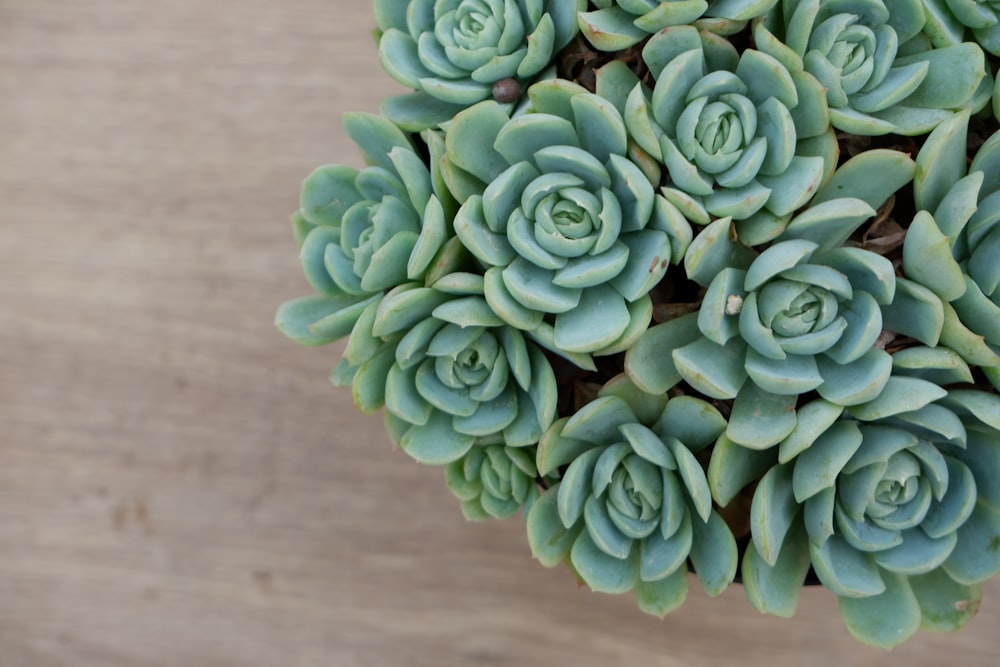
(178, 483)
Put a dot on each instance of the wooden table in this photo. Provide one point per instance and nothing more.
(178, 483)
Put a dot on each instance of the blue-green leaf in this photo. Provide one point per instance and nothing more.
(775, 589)
(603, 573)
(885, 619)
(772, 512)
(550, 540)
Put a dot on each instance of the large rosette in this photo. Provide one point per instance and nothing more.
(740, 136)
(879, 75)
(803, 315)
(633, 504)
(362, 232)
(453, 52)
(450, 373)
(894, 504)
(570, 231)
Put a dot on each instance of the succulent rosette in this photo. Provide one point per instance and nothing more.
(740, 135)
(948, 21)
(453, 52)
(494, 481)
(953, 244)
(803, 315)
(450, 373)
(362, 232)
(571, 233)
(879, 76)
(894, 503)
(618, 24)
(633, 504)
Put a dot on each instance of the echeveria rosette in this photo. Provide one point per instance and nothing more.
(740, 136)
(803, 315)
(571, 233)
(949, 20)
(618, 24)
(952, 247)
(895, 505)
(362, 232)
(633, 505)
(450, 373)
(879, 76)
(453, 52)
(494, 481)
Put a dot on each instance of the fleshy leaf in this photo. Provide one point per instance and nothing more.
(436, 442)
(941, 162)
(554, 450)
(976, 557)
(928, 260)
(884, 619)
(714, 370)
(901, 394)
(772, 512)
(318, 319)
(872, 176)
(691, 420)
(470, 140)
(603, 573)
(775, 589)
(649, 362)
(549, 539)
(844, 570)
(945, 605)
(599, 318)
(713, 554)
(761, 419)
(662, 596)
(733, 467)
(860, 381)
(812, 420)
(819, 465)
(915, 312)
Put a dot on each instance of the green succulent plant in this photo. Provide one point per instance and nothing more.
(779, 332)
(948, 21)
(893, 503)
(618, 24)
(450, 373)
(740, 136)
(454, 52)
(570, 231)
(878, 74)
(363, 232)
(494, 481)
(633, 504)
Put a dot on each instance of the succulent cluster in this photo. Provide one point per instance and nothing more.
(697, 286)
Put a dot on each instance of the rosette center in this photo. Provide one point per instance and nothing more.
(902, 496)
(475, 25)
(900, 482)
(791, 308)
(635, 497)
(849, 47)
(469, 366)
(716, 133)
(567, 222)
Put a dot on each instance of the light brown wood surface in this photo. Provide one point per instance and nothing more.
(179, 485)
